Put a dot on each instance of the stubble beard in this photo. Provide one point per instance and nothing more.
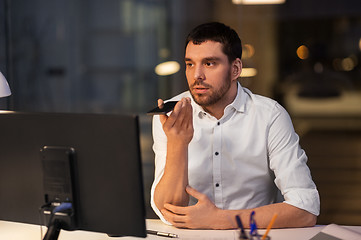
(213, 96)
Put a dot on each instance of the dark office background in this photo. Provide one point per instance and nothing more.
(98, 56)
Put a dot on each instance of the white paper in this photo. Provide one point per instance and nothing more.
(341, 232)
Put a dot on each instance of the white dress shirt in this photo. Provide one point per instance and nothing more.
(241, 160)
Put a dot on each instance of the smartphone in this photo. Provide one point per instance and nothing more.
(167, 107)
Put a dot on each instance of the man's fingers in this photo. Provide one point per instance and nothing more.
(172, 217)
(175, 209)
(178, 125)
(171, 120)
(160, 103)
(180, 225)
(189, 114)
(162, 118)
(175, 116)
(180, 113)
(178, 107)
(184, 117)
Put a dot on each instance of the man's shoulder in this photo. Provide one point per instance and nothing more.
(262, 102)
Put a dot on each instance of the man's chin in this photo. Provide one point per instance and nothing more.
(201, 99)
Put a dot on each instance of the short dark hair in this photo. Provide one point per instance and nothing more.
(217, 32)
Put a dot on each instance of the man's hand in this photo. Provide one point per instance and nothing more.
(203, 215)
(179, 125)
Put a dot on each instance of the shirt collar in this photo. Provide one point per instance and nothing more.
(238, 104)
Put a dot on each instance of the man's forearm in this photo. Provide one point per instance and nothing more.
(205, 215)
(287, 216)
(171, 188)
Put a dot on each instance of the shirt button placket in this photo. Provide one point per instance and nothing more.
(217, 166)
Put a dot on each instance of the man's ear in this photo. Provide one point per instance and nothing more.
(236, 68)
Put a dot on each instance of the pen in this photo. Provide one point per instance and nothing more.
(243, 234)
(162, 234)
(269, 226)
(253, 226)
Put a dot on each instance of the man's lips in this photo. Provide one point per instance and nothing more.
(200, 89)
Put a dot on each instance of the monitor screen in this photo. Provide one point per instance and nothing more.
(109, 185)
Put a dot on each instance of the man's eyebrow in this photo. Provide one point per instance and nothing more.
(205, 59)
(212, 59)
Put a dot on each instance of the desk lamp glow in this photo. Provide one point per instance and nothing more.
(4, 87)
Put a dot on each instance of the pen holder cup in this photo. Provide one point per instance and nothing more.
(259, 237)
(256, 237)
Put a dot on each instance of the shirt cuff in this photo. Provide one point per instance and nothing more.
(306, 199)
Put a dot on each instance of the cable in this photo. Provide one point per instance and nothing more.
(42, 220)
(56, 223)
(63, 207)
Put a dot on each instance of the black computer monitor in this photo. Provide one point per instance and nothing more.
(108, 185)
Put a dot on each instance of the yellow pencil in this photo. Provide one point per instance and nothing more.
(269, 226)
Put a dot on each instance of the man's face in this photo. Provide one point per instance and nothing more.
(208, 72)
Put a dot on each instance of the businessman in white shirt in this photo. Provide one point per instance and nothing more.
(224, 151)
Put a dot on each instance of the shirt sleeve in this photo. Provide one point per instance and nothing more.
(160, 151)
(289, 163)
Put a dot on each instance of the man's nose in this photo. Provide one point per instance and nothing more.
(199, 73)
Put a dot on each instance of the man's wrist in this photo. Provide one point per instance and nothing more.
(224, 219)
(177, 146)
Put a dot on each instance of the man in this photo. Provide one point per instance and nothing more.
(225, 151)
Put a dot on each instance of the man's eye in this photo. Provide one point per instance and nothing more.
(209, 64)
(189, 64)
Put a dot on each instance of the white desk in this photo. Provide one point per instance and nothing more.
(15, 231)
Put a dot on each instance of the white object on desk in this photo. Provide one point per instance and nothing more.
(14, 231)
(335, 231)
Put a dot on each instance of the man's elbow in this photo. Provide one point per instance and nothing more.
(174, 199)
(310, 220)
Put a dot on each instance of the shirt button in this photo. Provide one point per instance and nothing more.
(218, 123)
(217, 184)
(216, 153)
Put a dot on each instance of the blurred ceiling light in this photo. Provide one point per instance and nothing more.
(248, 72)
(302, 52)
(347, 64)
(167, 68)
(256, 2)
(248, 51)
